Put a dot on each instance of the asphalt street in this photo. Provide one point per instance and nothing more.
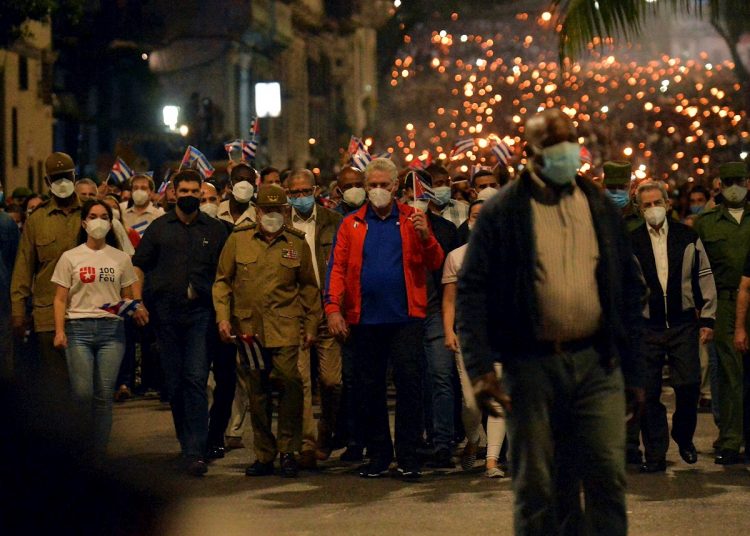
(704, 499)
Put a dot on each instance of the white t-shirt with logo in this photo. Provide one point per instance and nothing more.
(94, 278)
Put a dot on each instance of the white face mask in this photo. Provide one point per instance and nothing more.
(272, 222)
(140, 197)
(62, 188)
(485, 194)
(97, 228)
(354, 197)
(210, 209)
(734, 193)
(655, 216)
(243, 192)
(379, 197)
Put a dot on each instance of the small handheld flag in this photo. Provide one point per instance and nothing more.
(502, 151)
(120, 172)
(462, 146)
(122, 308)
(421, 190)
(250, 351)
(356, 145)
(193, 157)
(360, 160)
(586, 156)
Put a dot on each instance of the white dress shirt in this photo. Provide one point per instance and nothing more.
(659, 246)
(226, 214)
(307, 226)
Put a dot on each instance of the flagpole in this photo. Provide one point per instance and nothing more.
(183, 159)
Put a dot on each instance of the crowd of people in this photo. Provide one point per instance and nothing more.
(546, 304)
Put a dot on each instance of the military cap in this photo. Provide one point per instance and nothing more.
(271, 195)
(617, 173)
(733, 170)
(58, 163)
(21, 193)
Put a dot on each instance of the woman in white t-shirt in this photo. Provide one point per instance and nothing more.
(471, 414)
(89, 277)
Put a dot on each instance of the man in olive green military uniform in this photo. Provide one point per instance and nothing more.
(617, 188)
(49, 231)
(265, 288)
(725, 232)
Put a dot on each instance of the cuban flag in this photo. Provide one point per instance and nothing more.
(360, 160)
(422, 161)
(164, 183)
(233, 146)
(251, 353)
(255, 128)
(476, 168)
(462, 146)
(384, 154)
(502, 151)
(356, 145)
(421, 190)
(122, 308)
(120, 172)
(249, 148)
(586, 156)
(194, 158)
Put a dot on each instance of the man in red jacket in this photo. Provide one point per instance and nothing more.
(376, 293)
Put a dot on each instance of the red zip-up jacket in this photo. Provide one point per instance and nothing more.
(343, 291)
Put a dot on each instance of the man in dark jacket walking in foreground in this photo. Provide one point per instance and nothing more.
(562, 317)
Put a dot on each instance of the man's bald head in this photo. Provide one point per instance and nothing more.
(350, 177)
(548, 128)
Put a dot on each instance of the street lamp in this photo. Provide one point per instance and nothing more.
(170, 114)
(268, 99)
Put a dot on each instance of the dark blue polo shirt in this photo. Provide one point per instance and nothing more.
(382, 277)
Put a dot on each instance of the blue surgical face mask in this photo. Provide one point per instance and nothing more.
(619, 197)
(561, 162)
(697, 209)
(302, 204)
(442, 195)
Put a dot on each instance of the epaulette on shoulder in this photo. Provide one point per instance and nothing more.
(295, 232)
(244, 227)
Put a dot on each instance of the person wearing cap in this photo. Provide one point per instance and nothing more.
(616, 183)
(177, 259)
(376, 294)
(549, 287)
(265, 291)
(319, 226)
(20, 194)
(48, 232)
(679, 315)
(142, 211)
(238, 209)
(725, 232)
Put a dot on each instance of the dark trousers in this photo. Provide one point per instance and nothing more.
(677, 346)
(566, 430)
(126, 375)
(184, 359)
(348, 425)
(224, 366)
(373, 347)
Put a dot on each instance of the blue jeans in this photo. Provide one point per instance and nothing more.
(566, 428)
(184, 360)
(439, 384)
(94, 353)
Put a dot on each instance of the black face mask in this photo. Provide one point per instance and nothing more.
(188, 204)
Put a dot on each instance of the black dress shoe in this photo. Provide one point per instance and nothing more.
(374, 469)
(654, 467)
(288, 466)
(195, 467)
(688, 453)
(259, 468)
(216, 452)
(727, 457)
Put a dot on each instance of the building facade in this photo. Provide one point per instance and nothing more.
(26, 121)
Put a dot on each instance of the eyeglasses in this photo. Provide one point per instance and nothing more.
(300, 193)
